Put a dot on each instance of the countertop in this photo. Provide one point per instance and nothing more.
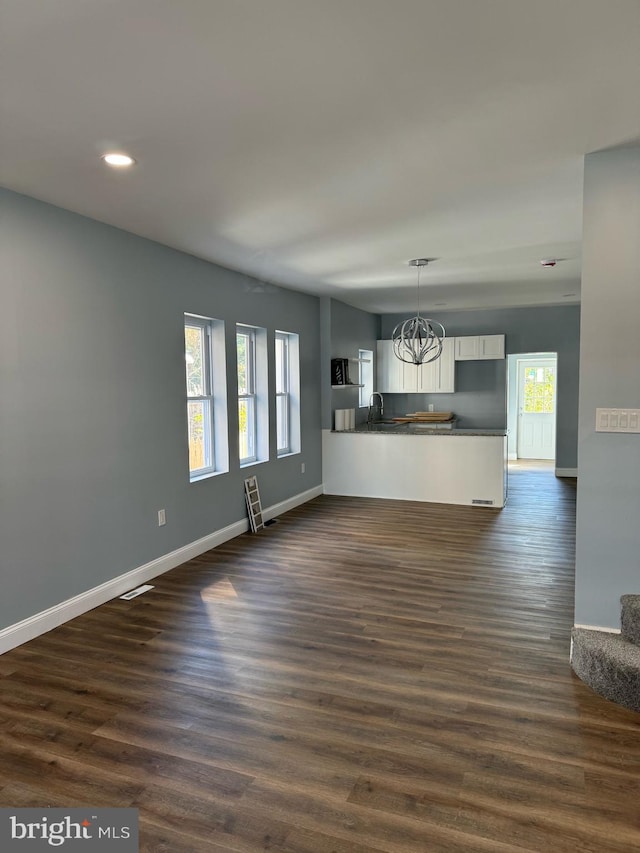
(413, 429)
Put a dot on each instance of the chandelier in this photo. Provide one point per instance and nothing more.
(417, 340)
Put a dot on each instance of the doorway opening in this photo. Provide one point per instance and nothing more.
(531, 405)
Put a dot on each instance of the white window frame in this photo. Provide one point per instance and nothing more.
(365, 374)
(249, 397)
(213, 396)
(255, 395)
(289, 393)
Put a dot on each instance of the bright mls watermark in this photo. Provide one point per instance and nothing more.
(80, 830)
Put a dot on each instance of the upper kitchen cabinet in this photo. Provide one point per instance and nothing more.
(438, 377)
(478, 347)
(398, 377)
(389, 373)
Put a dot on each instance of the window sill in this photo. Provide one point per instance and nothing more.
(289, 453)
(196, 478)
(253, 462)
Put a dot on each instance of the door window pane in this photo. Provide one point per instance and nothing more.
(539, 390)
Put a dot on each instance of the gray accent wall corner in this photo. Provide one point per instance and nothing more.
(345, 330)
(93, 418)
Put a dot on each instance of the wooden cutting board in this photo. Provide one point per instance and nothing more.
(425, 418)
(428, 417)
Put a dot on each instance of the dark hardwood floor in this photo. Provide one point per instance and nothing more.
(362, 676)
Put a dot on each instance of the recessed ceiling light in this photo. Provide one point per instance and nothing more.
(438, 304)
(118, 159)
(568, 294)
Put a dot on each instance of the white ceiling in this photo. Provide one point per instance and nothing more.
(321, 144)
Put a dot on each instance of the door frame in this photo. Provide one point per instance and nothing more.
(513, 370)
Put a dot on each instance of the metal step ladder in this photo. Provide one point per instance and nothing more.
(254, 506)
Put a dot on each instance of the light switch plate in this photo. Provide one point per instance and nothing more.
(618, 420)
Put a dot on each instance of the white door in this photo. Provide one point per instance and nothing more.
(537, 408)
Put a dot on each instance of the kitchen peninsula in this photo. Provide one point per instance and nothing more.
(404, 462)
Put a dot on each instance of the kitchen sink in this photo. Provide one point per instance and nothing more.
(380, 426)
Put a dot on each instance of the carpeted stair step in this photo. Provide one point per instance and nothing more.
(609, 664)
(631, 618)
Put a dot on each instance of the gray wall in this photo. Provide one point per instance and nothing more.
(92, 420)
(608, 532)
(480, 397)
(345, 330)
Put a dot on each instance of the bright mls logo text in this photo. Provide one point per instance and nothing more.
(101, 829)
(56, 833)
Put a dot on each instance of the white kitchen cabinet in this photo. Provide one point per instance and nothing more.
(410, 377)
(447, 367)
(438, 377)
(479, 347)
(491, 346)
(467, 348)
(389, 378)
(398, 377)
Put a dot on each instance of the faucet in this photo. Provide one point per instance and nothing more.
(375, 394)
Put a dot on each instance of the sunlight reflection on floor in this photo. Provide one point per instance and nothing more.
(221, 590)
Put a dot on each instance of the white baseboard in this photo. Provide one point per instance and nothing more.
(566, 472)
(512, 457)
(40, 623)
(598, 628)
(292, 503)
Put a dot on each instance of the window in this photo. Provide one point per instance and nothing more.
(206, 396)
(365, 357)
(287, 393)
(539, 390)
(253, 428)
(246, 344)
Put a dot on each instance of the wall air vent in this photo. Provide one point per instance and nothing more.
(480, 502)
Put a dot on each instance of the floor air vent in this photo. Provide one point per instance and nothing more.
(480, 502)
(134, 593)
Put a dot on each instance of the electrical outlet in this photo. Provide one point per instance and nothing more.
(430, 407)
(162, 517)
(303, 467)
